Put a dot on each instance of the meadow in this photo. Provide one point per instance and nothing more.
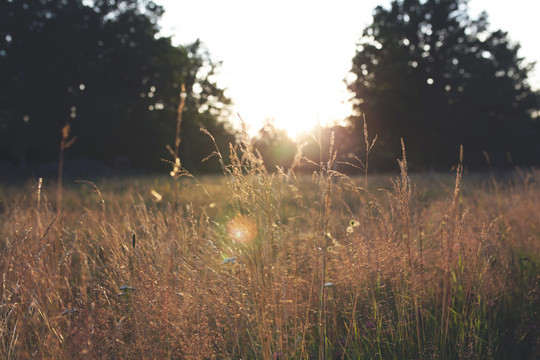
(254, 264)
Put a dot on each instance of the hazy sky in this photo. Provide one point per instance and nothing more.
(287, 59)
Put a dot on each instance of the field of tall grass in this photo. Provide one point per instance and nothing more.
(260, 265)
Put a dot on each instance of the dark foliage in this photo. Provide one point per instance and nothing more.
(104, 70)
(275, 146)
(427, 72)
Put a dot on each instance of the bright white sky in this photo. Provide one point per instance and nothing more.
(286, 59)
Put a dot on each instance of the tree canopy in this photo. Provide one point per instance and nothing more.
(275, 146)
(429, 73)
(102, 67)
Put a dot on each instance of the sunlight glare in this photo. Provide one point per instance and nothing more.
(242, 229)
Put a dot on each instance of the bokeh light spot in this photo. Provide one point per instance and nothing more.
(242, 229)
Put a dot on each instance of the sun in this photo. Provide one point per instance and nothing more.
(296, 122)
(297, 128)
(299, 120)
(298, 113)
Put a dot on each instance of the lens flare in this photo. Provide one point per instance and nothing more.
(242, 229)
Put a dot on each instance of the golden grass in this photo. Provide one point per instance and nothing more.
(272, 266)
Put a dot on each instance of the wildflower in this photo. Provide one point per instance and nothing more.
(126, 287)
(350, 229)
(229, 260)
(354, 223)
(157, 196)
(370, 325)
(69, 311)
(212, 205)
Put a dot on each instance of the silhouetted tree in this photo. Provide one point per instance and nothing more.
(104, 69)
(346, 144)
(427, 72)
(275, 146)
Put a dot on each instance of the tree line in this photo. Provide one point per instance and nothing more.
(428, 73)
(424, 71)
(103, 69)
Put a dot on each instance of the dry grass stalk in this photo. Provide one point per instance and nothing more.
(272, 265)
